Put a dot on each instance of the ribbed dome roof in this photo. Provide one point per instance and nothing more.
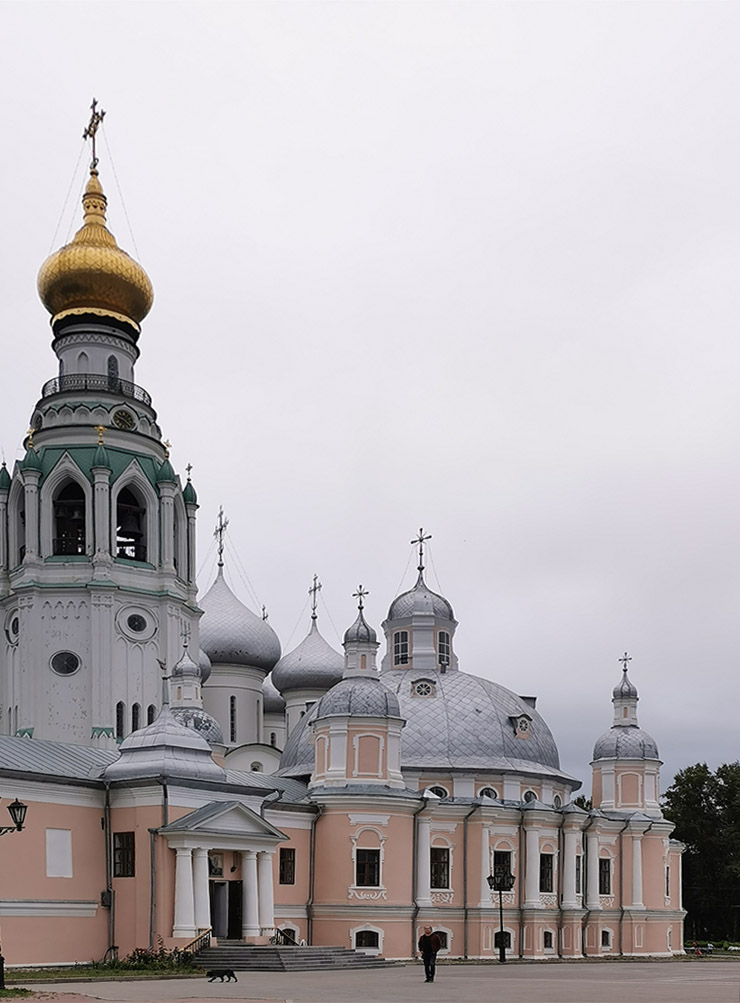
(204, 664)
(624, 688)
(201, 722)
(272, 702)
(359, 697)
(420, 599)
(465, 724)
(360, 631)
(314, 664)
(92, 274)
(626, 742)
(231, 633)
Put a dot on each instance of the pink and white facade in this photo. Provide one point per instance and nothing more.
(316, 792)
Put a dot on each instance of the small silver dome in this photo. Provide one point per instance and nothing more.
(420, 599)
(272, 702)
(314, 664)
(359, 697)
(201, 722)
(626, 742)
(231, 633)
(360, 631)
(625, 688)
(186, 667)
(204, 664)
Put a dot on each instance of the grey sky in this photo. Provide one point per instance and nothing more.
(471, 266)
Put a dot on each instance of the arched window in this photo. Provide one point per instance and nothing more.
(366, 938)
(256, 767)
(135, 717)
(439, 791)
(232, 719)
(530, 796)
(443, 648)
(83, 363)
(130, 526)
(113, 382)
(151, 713)
(69, 520)
(120, 719)
(401, 647)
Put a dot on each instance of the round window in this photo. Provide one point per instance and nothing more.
(557, 801)
(488, 792)
(530, 796)
(64, 663)
(137, 623)
(15, 626)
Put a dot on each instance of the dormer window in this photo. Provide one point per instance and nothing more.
(423, 688)
(443, 649)
(401, 647)
(521, 725)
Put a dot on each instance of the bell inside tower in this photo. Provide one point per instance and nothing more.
(130, 522)
(69, 521)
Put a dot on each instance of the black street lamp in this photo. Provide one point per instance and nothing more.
(501, 881)
(17, 811)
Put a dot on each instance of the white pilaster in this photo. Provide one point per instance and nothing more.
(250, 914)
(184, 900)
(200, 882)
(167, 525)
(101, 513)
(485, 865)
(423, 864)
(532, 868)
(637, 902)
(31, 488)
(266, 898)
(569, 869)
(592, 868)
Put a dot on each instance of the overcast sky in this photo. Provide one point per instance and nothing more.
(471, 266)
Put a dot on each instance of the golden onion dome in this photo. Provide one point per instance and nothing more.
(92, 274)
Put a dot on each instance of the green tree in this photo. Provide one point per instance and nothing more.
(705, 808)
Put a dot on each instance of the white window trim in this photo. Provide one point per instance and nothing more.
(362, 929)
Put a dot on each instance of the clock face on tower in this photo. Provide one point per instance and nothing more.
(123, 419)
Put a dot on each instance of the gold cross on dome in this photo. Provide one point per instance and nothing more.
(625, 659)
(421, 540)
(96, 119)
(100, 429)
(359, 594)
(167, 445)
(219, 533)
(313, 592)
(29, 433)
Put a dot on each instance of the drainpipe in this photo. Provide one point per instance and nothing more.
(584, 886)
(311, 874)
(109, 872)
(465, 879)
(414, 851)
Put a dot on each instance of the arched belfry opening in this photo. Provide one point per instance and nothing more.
(113, 380)
(130, 526)
(69, 520)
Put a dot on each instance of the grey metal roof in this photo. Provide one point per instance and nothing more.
(624, 688)
(231, 633)
(626, 742)
(201, 722)
(204, 664)
(53, 759)
(360, 631)
(272, 702)
(420, 599)
(466, 725)
(293, 790)
(359, 697)
(314, 664)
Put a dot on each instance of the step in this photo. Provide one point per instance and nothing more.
(245, 957)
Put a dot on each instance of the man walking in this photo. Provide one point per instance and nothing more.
(429, 944)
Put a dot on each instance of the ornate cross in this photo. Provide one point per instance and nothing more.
(96, 119)
(185, 633)
(265, 614)
(100, 429)
(359, 595)
(421, 540)
(189, 468)
(219, 532)
(30, 436)
(167, 444)
(625, 659)
(313, 592)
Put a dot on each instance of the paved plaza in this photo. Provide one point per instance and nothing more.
(695, 981)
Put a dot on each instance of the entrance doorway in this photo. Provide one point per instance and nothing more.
(226, 909)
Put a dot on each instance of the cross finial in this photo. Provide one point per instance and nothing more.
(30, 436)
(96, 118)
(100, 429)
(219, 533)
(314, 592)
(421, 540)
(167, 444)
(265, 614)
(185, 634)
(189, 468)
(359, 594)
(625, 660)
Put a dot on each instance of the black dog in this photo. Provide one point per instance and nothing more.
(226, 973)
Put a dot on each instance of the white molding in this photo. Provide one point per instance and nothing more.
(363, 818)
(49, 907)
(45, 793)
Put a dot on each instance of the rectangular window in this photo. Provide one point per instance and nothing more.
(59, 853)
(606, 939)
(401, 647)
(545, 872)
(605, 877)
(287, 865)
(124, 857)
(368, 868)
(443, 645)
(547, 940)
(439, 857)
(502, 861)
(667, 882)
(578, 874)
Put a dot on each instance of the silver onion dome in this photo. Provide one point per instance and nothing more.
(272, 702)
(230, 633)
(360, 631)
(625, 688)
(420, 599)
(314, 664)
(204, 664)
(359, 697)
(626, 742)
(201, 722)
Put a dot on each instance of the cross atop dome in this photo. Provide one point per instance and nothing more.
(421, 540)
(314, 592)
(625, 660)
(219, 533)
(96, 120)
(359, 595)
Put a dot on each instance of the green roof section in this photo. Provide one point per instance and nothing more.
(85, 457)
(31, 460)
(4, 478)
(101, 458)
(166, 473)
(188, 494)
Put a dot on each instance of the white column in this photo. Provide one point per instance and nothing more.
(485, 865)
(250, 915)
(266, 897)
(637, 871)
(569, 869)
(592, 867)
(101, 513)
(184, 901)
(167, 526)
(4, 556)
(31, 488)
(423, 865)
(191, 510)
(200, 882)
(532, 869)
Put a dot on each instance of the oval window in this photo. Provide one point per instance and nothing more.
(64, 663)
(136, 622)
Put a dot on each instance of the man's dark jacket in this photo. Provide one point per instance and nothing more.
(429, 943)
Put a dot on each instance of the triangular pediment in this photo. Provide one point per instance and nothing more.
(227, 818)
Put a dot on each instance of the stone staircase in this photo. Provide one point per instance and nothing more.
(243, 957)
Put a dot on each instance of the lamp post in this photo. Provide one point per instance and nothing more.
(501, 881)
(17, 811)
